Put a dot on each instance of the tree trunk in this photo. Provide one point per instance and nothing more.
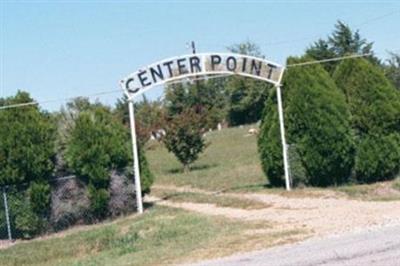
(186, 168)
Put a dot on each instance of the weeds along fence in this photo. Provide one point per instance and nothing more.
(69, 205)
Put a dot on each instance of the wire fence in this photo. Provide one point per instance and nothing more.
(69, 205)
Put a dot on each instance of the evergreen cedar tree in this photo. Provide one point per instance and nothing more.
(318, 127)
(27, 156)
(343, 41)
(392, 69)
(98, 144)
(375, 107)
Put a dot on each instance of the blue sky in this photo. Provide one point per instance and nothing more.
(63, 49)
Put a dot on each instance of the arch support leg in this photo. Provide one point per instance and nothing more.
(283, 138)
(136, 171)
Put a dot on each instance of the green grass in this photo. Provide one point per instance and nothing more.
(382, 191)
(396, 184)
(230, 162)
(217, 199)
(161, 236)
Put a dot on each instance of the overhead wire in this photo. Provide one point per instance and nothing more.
(57, 100)
(329, 60)
(171, 83)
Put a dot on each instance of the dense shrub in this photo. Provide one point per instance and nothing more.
(97, 145)
(298, 173)
(146, 176)
(375, 116)
(27, 156)
(269, 143)
(317, 122)
(374, 103)
(378, 157)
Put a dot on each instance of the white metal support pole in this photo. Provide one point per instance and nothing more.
(283, 138)
(138, 188)
(7, 214)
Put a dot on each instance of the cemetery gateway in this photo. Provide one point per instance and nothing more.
(193, 65)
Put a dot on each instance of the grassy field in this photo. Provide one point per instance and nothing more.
(229, 163)
(161, 236)
(217, 199)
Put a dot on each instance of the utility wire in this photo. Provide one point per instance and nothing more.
(328, 60)
(179, 81)
(57, 100)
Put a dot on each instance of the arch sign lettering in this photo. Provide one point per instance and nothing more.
(195, 65)
(206, 64)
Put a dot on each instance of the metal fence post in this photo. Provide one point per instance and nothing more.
(7, 214)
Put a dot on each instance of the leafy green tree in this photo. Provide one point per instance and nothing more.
(27, 142)
(149, 116)
(246, 48)
(343, 41)
(246, 97)
(205, 97)
(27, 159)
(246, 100)
(317, 121)
(375, 111)
(184, 136)
(65, 120)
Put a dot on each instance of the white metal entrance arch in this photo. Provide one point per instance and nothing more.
(194, 65)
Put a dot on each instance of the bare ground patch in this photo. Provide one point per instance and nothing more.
(333, 213)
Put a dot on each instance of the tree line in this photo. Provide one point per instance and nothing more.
(342, 118)
(86, 140)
